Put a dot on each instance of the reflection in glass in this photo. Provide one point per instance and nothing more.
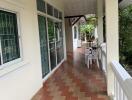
(49, 10)
(56, 13)
(60, 15)
(41, 6)
(9, 40)
(59, 42)
(43, 45)
(52, 43)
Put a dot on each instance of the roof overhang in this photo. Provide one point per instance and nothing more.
(125, 3)
(84, 7)
(79, 7)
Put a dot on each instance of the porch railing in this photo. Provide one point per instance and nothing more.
(122, 82)
(122, 89)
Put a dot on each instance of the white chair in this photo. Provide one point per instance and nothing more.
(95, 55)
(88, 56)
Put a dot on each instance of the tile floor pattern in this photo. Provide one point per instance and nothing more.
(74, 81)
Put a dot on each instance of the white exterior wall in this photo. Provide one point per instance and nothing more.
(23, 83)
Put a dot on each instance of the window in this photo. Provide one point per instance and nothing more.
(60, 15)
(41, 5)
(49, 10)
(9, 42)
(51, 37)
(46, 8)
(56, 13)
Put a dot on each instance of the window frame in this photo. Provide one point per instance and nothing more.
(20, 59)
(54, 19)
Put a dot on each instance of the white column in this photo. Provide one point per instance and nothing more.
(100, 14)
(112, 38)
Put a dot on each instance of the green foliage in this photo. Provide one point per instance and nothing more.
(88, 28)
(92, 20)
(51, 30)
(125, 34)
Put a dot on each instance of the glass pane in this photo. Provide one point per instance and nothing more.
(59, 42)
(49, 10)
(60, 15)
(57, 31)
(75, 32)
(52, 43)
(9, 36)
(61, 39)
(51, 30)
(41, 5)
(43, 45)
(56, 13)
(53, 58)
(58, 52)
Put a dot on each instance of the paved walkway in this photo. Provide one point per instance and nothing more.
(74, 81)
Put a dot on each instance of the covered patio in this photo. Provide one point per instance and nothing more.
(37, 58)
(74, 81)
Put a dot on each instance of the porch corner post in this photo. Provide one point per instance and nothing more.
(100, 14)
(112, 39)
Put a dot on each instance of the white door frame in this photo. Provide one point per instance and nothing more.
(75, 40)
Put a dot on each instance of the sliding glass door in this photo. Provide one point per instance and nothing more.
(51, 36)
(43, 45)
(52, 44)
(55, 39)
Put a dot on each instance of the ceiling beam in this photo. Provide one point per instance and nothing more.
(74, 16)
(76, 21)
(120, 1)
(85, 18)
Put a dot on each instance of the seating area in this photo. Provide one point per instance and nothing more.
(91, 54)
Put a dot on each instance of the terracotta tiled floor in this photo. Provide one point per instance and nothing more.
(74, 81)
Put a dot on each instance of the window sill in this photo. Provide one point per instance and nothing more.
(10, 68)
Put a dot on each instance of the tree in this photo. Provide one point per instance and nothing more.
(125, 36)
(88, 28)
